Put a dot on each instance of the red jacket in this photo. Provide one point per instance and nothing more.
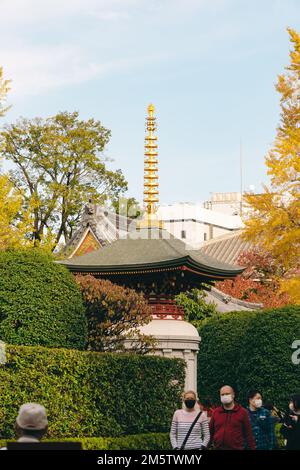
(231, 429)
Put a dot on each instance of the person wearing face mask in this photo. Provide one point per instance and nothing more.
(261, 422)
(189, 429)
(230, 426)
(291, 424)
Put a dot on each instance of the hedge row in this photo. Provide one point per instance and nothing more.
(90, 394)
(40, 303)
(151, 441)
(250, 350)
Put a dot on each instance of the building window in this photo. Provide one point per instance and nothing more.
(183, 234)
(205, 237)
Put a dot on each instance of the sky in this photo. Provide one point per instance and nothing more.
(209, 67)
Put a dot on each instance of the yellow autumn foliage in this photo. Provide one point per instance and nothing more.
(14, 222)
(274, 218)
(292, 287)
(4, 88)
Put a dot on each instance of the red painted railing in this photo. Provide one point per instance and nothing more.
(166, 308)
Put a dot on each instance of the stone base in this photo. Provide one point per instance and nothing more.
(175, 339)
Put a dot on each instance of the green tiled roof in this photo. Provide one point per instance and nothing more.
(137, 251)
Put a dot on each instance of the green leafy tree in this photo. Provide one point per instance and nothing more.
(59, 165)
(114, 313)
(128, 207)
(195, 307)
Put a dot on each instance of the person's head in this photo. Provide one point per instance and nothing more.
(227, 395)
(295, 403)
(201, 405)
(206, 403)
(269, 405)
(255, 399)
(32, 421)
(189, 399)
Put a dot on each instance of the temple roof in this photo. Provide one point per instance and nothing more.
(227, 248)
(105, 225)
(136, 251)
(226, 303)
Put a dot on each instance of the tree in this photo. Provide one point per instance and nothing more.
(128, 207)
(4, 89)
(114, 313)
(291, 287)
(274, 221)
(15, 223)
(259, 282)
(58, 164)
(195, 307)
(40, 303)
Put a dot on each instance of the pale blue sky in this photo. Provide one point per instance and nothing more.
(209, 66)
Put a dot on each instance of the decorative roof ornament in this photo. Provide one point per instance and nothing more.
(151, 192)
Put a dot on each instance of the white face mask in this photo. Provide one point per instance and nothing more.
(258, 403)
(227, 399)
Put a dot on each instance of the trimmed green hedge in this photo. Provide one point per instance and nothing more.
(151, 441)
(91, 394)
(40, 303)
(250, 350)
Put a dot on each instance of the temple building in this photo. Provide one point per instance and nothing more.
(149, 259)
(192, 223)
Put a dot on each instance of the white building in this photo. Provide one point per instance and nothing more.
(226, 203)
(194, 224)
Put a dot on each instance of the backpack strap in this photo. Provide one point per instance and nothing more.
(190, 430)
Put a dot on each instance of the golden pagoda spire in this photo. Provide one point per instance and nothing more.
(150, 163)
(150, 172)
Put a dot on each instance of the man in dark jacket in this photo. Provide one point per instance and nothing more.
(230, 426)
(262, 423)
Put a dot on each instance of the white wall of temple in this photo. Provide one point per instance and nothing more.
(176, 351)
(182, 349)
(175, 339)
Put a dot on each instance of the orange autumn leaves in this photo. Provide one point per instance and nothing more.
(114, 313)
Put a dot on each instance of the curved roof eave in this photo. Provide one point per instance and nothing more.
(186, 263)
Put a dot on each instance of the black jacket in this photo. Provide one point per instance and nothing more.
(291, 431)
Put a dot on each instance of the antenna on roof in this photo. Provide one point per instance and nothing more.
(241, 177)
